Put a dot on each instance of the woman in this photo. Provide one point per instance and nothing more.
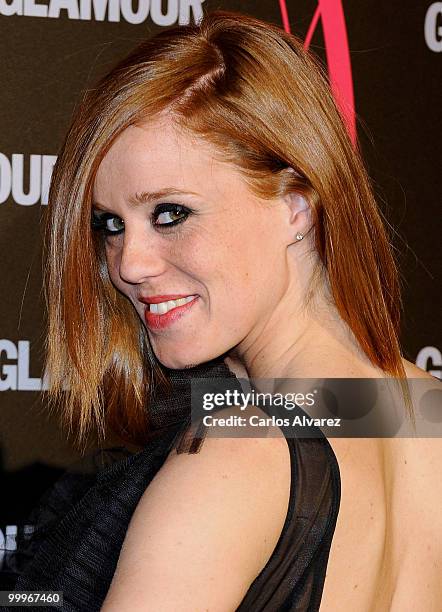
(231, 217)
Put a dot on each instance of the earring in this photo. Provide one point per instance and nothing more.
(299, 236)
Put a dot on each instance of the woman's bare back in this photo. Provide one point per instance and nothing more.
(386, 553)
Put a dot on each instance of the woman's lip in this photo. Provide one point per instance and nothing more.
(156, 322)
(157, 299)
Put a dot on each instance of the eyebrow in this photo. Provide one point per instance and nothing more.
(146, 197)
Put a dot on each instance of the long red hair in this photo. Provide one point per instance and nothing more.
(251, 90)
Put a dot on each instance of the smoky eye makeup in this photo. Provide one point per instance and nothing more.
(164, 216)
(169, 214)
(108, 223)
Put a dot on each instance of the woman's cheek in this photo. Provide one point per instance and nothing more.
(113, 265)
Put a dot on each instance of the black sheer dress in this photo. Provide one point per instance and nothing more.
(82, 521)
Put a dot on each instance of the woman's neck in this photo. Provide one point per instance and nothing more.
(311, 342)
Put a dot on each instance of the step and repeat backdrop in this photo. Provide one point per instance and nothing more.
(385, 59)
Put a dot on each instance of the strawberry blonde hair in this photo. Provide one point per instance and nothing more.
(253, 92)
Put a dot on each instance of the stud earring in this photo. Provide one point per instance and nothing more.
(299, 236)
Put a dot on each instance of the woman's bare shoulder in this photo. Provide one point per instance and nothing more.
(413, 371)
(413, 545)
(415, 459)
(205, 527)
(413, 466)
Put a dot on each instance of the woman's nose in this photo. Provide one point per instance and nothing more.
(140, 259)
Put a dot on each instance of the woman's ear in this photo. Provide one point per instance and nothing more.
(299, 217)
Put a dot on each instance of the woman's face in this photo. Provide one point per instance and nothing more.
(202, 259)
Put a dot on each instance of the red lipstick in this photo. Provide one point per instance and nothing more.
(156, 299)
(157, 322)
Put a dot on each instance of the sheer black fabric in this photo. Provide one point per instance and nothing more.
(82, 521)
(293, 578)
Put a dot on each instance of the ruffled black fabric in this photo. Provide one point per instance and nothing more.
(82, 521)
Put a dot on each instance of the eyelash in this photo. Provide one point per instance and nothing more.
(99, 222)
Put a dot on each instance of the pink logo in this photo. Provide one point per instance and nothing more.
(337, 53)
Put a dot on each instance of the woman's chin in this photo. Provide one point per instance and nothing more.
(182, 362)
(178, 362)
(182, 365)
